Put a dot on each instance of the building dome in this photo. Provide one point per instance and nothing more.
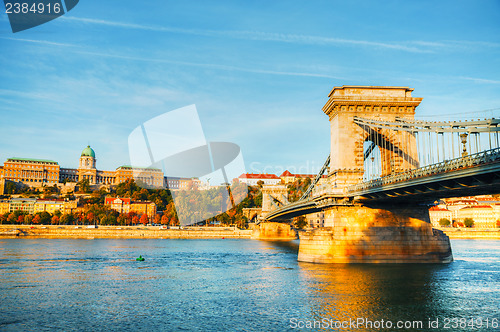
(88, 152)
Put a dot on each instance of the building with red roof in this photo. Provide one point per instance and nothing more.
(252, 179)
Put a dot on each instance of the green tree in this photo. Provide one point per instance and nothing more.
(66, 219)
(469, 222)
(300, 222)
(84, 186)
(28, 219)
(444, 222)
(10, 188)
(45, 217)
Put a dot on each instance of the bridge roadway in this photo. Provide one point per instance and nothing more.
(474, 174)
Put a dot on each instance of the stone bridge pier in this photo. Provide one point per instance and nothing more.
(376, 234)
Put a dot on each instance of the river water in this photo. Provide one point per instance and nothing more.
(237, 285)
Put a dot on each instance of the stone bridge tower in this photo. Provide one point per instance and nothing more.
(398, 150)
(273, 196)
(373, 233)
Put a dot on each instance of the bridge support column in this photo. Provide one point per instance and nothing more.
(361, 234)
(274, 231)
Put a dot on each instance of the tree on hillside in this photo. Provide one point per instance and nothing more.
(55, 220)
(36, 219)
(28, 219)
(84, 186)
(144, 219)
(164, 220)
(66, 219)
(11, 218)
(135, 220)
(300, 222)
(444, 222)
(90, 217)
(469, 222)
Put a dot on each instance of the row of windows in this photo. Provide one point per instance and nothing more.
(31, 166)
(31, 174)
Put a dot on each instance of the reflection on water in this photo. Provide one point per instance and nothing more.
(214, 285)
(341, 291)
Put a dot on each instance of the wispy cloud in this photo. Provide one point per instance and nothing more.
(44, 42)
(414, 47)
(212, 66)
(480, 80)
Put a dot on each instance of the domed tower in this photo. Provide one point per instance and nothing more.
(87, 168)
(87, 159)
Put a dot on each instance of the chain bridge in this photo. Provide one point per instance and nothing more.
(383, 170)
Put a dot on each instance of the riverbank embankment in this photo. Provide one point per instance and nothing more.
(133, 232)
(472, 233)
(156, 232)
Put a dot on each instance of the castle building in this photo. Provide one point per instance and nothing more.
(33, 172)
(40, 172)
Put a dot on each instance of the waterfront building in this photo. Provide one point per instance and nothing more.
(34, 205)
(4, 206)
(484, 216)
(22, 204)
(253, 179)
(484, 210)
(126, 205)
(53, 205)
(437, 213)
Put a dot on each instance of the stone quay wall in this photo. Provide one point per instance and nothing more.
(29, 231)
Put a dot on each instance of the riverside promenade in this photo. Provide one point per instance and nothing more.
(156, 232)
(132, 232)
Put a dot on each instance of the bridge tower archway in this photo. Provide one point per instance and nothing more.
(398, 151)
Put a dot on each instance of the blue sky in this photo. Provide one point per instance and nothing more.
(259, 72)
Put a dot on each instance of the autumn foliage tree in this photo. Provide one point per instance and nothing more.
(55, 220)
(144, 219)
(164, 220)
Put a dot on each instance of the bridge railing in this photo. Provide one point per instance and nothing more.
(468, 161)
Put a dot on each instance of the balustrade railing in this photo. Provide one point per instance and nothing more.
(471, 160)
